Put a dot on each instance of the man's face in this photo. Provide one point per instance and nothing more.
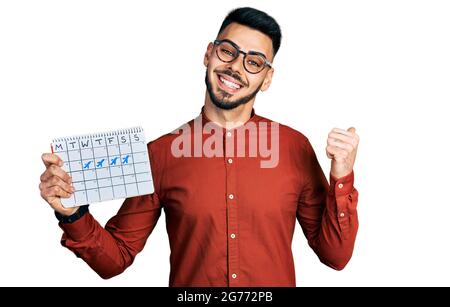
(230, 84)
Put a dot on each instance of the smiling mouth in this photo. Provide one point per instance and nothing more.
(226, 83)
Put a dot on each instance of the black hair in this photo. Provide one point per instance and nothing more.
(257, 20)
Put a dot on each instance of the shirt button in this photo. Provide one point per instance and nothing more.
(231, 196)
(228, 134)
(234, 276)
(230, 160)
(340, 185)
(342, 214)
(233, 236)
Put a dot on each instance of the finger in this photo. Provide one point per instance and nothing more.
(50, 158)
(342, 137)
(336, 152)
(54, 170)
(340, 144)
(56, 181)
(344, 132)
(351, 129)
(54, 202)
(54, 191)
(329, 155)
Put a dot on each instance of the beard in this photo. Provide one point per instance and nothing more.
(224, 102)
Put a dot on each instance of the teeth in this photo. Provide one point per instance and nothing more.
(230, 84)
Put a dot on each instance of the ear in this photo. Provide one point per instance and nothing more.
(267, 80)
(208, 54)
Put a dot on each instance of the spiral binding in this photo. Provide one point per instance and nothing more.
(99, 134)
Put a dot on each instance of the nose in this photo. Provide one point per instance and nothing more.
(237, 65)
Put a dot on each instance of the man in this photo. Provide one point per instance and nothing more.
(230, 217)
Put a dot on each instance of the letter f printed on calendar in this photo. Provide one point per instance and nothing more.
(105, 166)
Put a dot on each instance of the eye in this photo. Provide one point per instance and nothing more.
(227, 52)
(253, 63)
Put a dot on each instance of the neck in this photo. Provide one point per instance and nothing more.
(228, 118)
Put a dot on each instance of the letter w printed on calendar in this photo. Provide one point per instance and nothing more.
(105, 166)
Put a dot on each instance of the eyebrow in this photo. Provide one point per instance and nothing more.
(246, 51)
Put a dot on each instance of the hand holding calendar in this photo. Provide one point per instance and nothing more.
(97, 167)
(56, 183)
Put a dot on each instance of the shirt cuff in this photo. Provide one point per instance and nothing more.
(72, 218)
(80, 229)
(342, 186)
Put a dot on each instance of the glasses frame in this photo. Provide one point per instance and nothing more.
(217, 42)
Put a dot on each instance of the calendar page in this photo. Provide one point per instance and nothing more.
(105, 166)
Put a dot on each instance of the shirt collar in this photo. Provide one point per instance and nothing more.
(253, 118)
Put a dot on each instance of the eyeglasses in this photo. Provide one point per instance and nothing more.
(254, 62)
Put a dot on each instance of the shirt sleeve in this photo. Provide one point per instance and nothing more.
(327, 213)
(110, 250)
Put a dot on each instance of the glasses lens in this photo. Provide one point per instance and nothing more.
(226, 52)
(254, 63)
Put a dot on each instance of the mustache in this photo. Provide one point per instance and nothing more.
(232, 75)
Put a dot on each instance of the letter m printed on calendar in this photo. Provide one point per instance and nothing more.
(105, 166)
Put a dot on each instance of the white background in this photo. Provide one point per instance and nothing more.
(382, 66)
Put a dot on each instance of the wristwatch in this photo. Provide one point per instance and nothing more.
(74, 217)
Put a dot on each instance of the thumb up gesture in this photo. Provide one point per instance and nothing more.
(341, 149)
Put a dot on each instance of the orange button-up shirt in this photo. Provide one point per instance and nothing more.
(230, 221)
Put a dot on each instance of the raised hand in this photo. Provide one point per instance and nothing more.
(342, 146)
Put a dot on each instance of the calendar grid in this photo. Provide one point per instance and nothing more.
(121, 169)
(95, 170)
(134, 167)
(69, 171)
(110, 176)
(95, 173)
(81, 161)
(106, 166)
